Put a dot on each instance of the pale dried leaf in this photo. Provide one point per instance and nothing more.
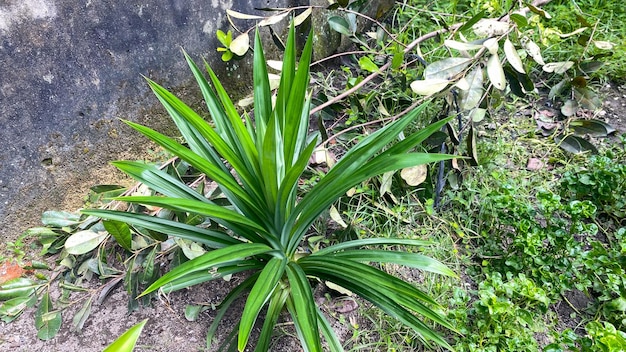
(471, 96)
(453, 44)
(429, 86)
(558, 67)
(302, 17)
(333, 286)
(490, 27)
(446, 69)
(242, 16)
(477, 114)
(274, 80)
(334, 214)
(462, 84)
(533, 50)
(246, 101)
(414, 175)
(603, 45)
(273, 19)
(513, 57)
(495, 72)
(275, 64)
(492, 45)
(576, 32)
(240, 45)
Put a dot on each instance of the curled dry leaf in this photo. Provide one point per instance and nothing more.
(533, 50)
(302, 17)
(414, 175)
(240, 45)
(334, 214)
(429, 86)
(492, 45)
(558, 67)
(603, 45)
(571, 34)
(273, 19)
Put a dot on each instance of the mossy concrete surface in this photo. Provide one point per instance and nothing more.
(71, 70)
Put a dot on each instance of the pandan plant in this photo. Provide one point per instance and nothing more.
(257, 163)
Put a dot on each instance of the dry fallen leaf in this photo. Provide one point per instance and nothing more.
(10, 271)
(414, 175)
(534, 164)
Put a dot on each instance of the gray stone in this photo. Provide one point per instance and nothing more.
(69, 70)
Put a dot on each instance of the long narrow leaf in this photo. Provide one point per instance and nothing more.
(413, 260)
(416, 138)
(329, 334)
(216, 273)
(227, 182)
(237, 153)
(275, 307)
(223, 307)
(262, 93)
(372, 278)
(301, 304)
(210, 210)
(296, 114)
(383, 290)
(158, 180)
(320, 198)
(234, 131)
(209, 260)
(371, 242)
(213, 239)
(195, 140)
(260, 293)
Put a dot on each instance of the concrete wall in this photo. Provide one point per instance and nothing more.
(69, 69)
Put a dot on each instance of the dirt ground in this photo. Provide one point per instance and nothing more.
(168, 330)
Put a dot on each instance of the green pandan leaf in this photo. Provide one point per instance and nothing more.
(128, 340)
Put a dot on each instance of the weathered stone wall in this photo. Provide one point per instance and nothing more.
(70, 69)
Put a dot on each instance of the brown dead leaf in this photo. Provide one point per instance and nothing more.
(344, 305)
(535, 164)
(10, 271)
